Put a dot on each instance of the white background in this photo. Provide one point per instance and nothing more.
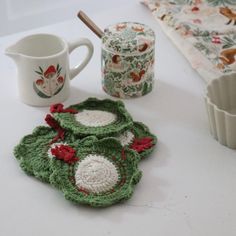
(19, 15)
(188, 184)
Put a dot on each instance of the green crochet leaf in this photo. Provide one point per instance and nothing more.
(32, 151)
(123, 119)
(83, 181)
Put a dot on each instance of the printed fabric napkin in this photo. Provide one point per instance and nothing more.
(203, 30)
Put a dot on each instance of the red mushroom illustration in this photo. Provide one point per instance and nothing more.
(50, 83)
(138, 28)
(195, 9)
(60, 80)
(39, 82)
(120, 27)
(50, 72)
(116, 59)
(117, 64)
(143, 47)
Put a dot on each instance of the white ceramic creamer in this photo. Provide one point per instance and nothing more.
(43, 67)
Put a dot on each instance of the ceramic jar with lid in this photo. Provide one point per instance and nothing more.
(128, 55)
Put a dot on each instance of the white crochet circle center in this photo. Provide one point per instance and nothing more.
(126, 138)
(95, 118)
(53, 146)
(96, 174)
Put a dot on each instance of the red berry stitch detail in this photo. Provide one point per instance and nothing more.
(55, 125)
(58, 108)
(142, 144)
(65, 153)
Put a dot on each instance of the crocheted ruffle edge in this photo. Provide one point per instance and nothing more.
(124, 120)
(114, 152)
(29, 152)
(32, 151)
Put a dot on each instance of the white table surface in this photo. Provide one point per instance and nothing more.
(188, 186)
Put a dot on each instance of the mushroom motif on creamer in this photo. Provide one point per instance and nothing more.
(50, 82)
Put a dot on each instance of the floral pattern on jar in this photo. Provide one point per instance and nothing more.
(128, 57)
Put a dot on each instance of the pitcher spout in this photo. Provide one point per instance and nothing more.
(12, 51)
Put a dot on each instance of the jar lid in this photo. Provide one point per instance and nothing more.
(128, 38)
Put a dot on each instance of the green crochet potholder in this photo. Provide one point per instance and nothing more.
(95, 117)
(33, 151)
(138, 138)
(99, 175)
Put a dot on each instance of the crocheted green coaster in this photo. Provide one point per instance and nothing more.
(99, 175)
(33, 151)
(93, 117)
(138, 138)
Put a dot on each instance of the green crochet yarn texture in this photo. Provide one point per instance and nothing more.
(32, 151)
(125, 160)
(139, 131)
(104, 169)
(123, 121)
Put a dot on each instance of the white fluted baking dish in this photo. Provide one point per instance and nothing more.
(220, 102)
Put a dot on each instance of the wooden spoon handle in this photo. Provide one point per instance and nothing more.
(91, 25)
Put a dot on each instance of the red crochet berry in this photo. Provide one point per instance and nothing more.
(142, 144)
(56, 108)
(64, 153)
